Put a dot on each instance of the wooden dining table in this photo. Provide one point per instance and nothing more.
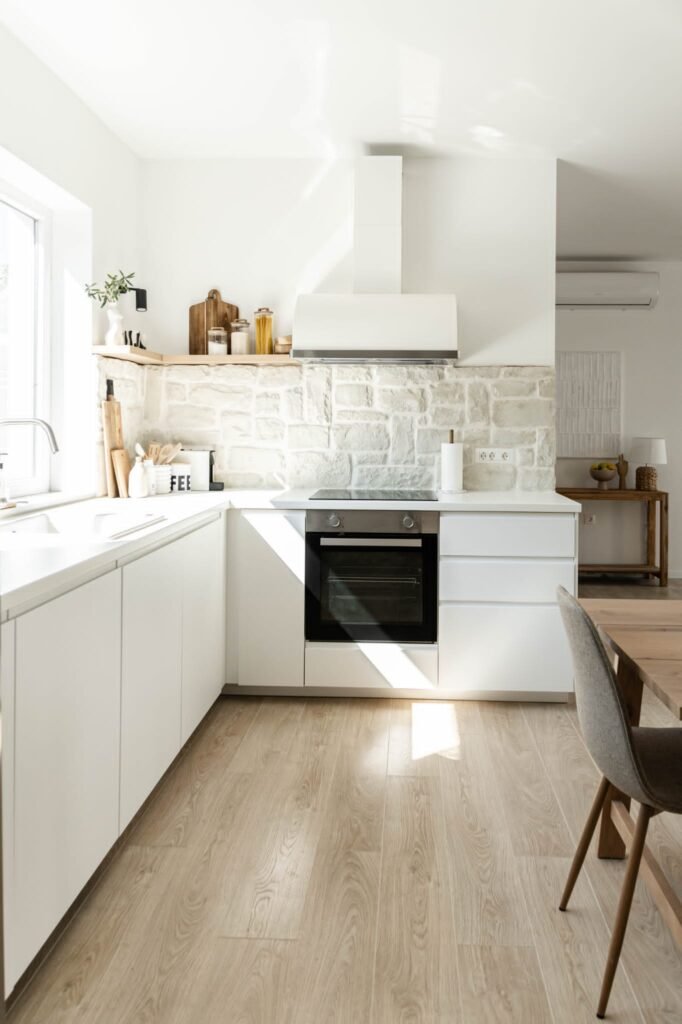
(645, 639)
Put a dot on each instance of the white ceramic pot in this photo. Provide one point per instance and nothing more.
(114, 335)
(162, 477)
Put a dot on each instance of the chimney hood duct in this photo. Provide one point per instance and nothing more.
(377, 322)
(381, 327)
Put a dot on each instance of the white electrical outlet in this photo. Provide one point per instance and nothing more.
(589, 518)
(505, 456)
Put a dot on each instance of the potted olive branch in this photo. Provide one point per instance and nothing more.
(115, 285)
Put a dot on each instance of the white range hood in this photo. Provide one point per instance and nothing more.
(391, 327)
(376, 321)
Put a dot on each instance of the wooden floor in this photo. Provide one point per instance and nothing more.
(602, 586)
(364, 862)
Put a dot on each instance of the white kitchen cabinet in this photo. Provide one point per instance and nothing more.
(203, 622)
(7, 707)
(372, 666)
(504, 579)
(66, 757)
(267, 574)
(151, 649)
(508, 535)
(498, 648)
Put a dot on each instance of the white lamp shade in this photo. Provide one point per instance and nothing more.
(648, 451)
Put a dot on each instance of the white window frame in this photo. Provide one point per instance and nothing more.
(46, 358)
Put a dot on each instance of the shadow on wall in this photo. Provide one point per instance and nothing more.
(609, 216)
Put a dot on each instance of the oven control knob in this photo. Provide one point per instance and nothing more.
(408, 522)
(333, 520)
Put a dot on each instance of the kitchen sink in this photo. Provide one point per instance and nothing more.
(40, 524)
(70, 523)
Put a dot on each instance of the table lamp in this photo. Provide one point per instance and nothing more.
(650, 451)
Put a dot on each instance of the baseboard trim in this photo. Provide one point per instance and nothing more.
(382, 693)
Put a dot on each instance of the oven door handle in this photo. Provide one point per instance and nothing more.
(370, 542)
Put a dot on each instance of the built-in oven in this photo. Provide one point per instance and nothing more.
(371, 576)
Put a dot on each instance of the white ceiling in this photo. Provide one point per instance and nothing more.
(595, 83)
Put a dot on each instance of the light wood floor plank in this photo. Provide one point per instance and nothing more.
(313, 861)
(70, 982)
(272, 849)
(487, 896)
(502, 985)
(536, 825)
(415, 976)
(407, 749)
(332, 972)
(572, 946)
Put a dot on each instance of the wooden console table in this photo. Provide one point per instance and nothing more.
(652, 499)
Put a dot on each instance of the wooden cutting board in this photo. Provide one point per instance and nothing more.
(121, 461)
(212, 312)
(112, 428)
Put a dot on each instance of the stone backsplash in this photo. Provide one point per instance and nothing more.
(336, 425)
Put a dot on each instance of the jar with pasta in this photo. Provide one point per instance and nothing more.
(263, 319)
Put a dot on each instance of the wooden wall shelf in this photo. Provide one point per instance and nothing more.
(145, 357)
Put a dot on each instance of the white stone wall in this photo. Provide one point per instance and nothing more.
(323, 425)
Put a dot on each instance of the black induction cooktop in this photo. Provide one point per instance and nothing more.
(375, 495)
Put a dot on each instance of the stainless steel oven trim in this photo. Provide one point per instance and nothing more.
(370, 521)
(370, 542)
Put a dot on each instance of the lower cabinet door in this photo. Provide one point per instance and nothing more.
(267, 573)
(493, 648)
(151, 652)
(203, 622)
(66, 743)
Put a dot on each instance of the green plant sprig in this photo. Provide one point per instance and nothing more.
(114, 286)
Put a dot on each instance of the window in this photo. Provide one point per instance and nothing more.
(23, 352)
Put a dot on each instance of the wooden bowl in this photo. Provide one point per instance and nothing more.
(603, 477)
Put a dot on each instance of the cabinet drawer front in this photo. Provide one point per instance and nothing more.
(382, 666)
(517, 534)
(497, 648)
(504, 579)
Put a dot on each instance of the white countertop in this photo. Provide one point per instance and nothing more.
(467, 501)
(37, 567)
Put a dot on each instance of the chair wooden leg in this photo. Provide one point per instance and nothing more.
(585, 840)
(624, 904)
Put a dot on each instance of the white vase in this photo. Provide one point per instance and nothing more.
(114, 335)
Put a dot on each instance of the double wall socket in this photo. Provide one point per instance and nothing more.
(496, 455)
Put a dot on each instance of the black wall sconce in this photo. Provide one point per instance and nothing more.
(140, 299)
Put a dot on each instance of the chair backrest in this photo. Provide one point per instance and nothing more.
(602, 713)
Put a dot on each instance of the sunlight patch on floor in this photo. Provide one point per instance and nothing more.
(435, 731)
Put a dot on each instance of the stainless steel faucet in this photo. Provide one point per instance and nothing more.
(43, 424)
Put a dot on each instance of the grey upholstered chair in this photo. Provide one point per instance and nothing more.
(644, 764)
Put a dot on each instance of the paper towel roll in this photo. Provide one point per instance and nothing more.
(452, 467)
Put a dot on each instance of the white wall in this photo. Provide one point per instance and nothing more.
(651, 343)
(258, 230)
(485, 228)
(44, 124)
(55, 152)
(264, 230)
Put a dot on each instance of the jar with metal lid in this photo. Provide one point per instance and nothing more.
(263, 318)
(217, 341)
(239, 337)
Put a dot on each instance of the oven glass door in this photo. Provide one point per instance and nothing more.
(369, 588)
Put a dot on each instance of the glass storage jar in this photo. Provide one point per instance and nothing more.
(217, 341)
(263, 318)
(239, 337)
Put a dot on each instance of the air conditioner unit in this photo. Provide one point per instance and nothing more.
(606, 289)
